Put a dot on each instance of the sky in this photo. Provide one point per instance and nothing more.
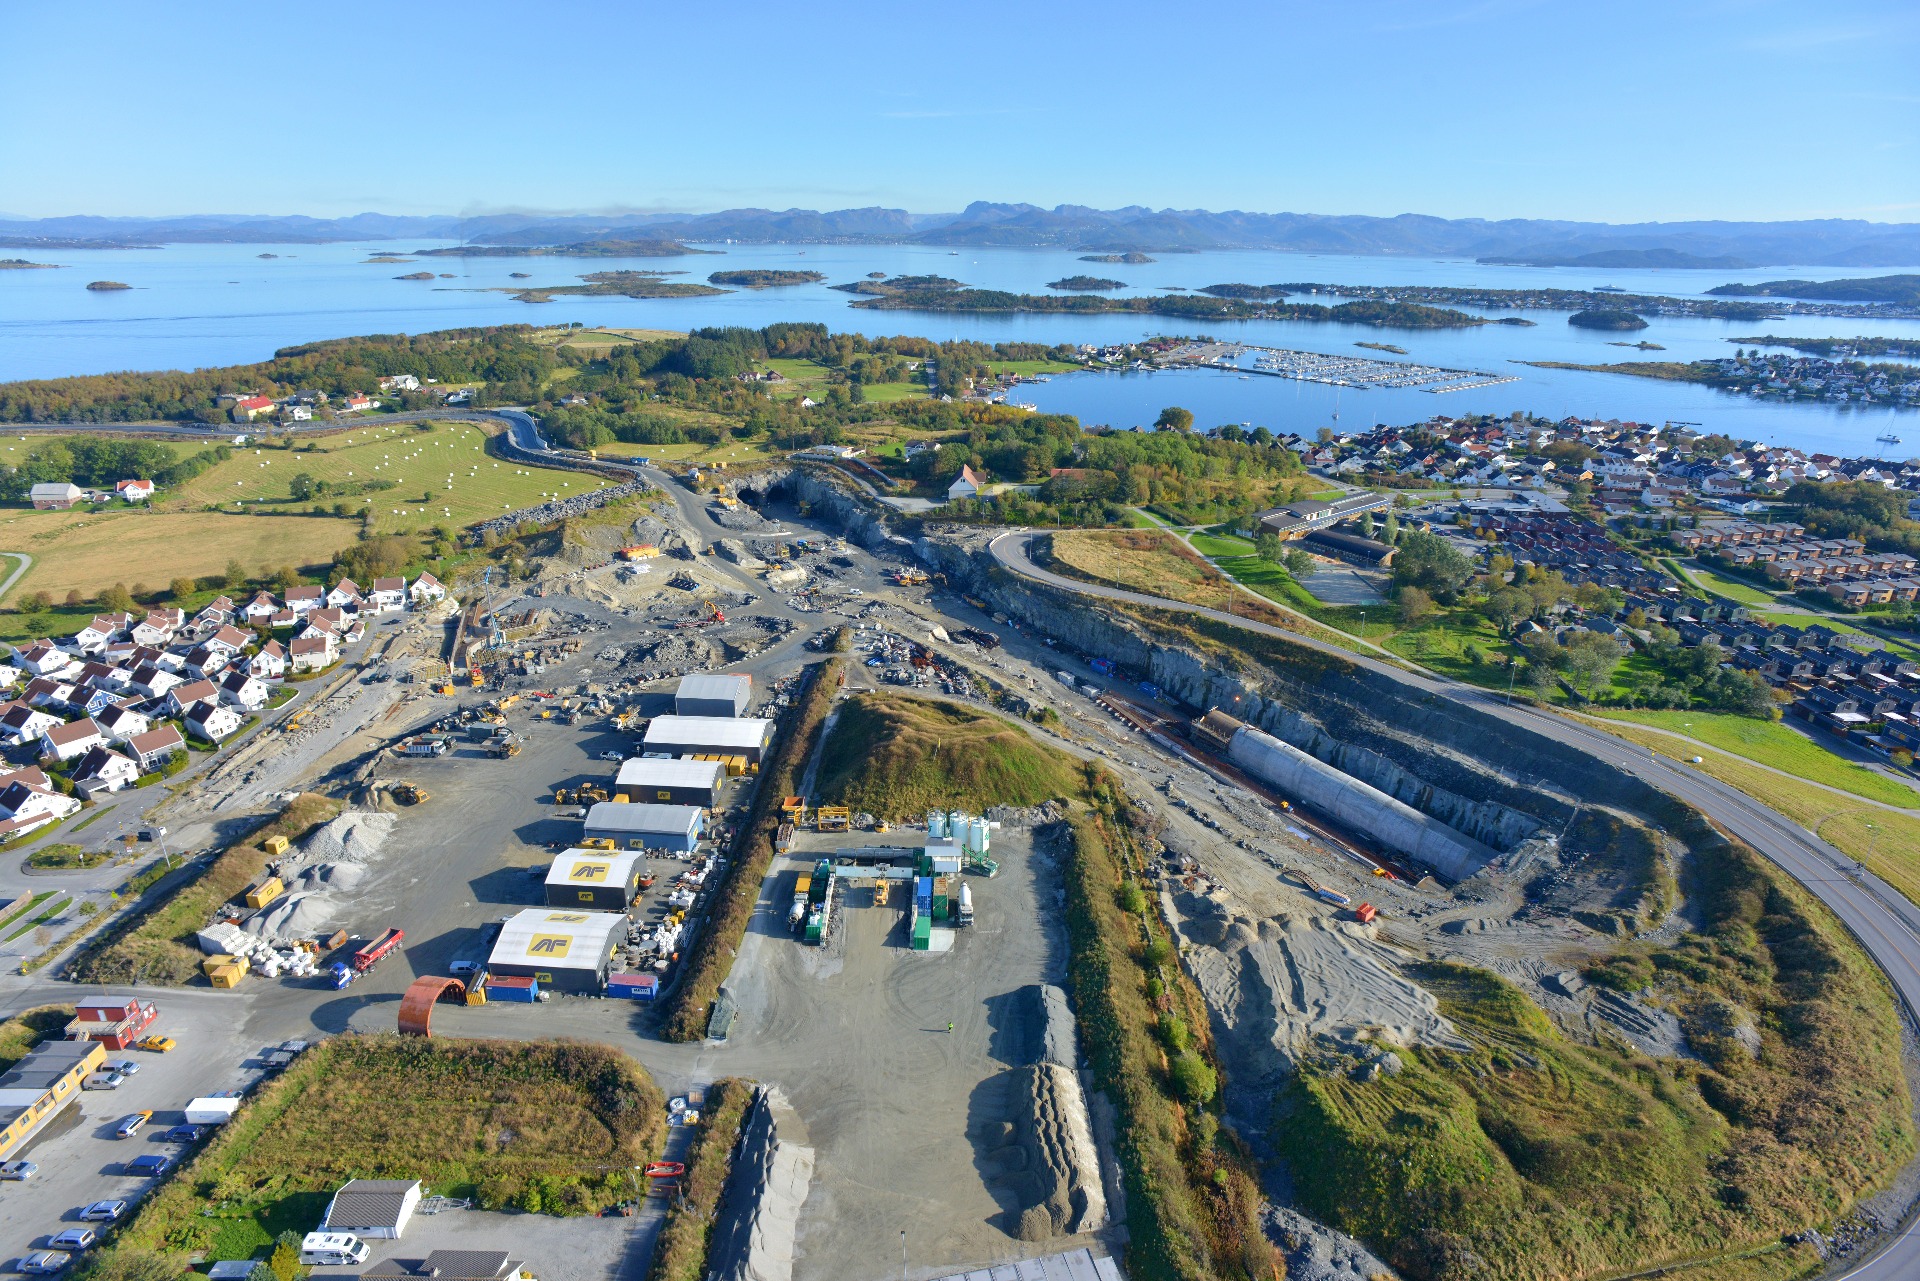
(1618, 112)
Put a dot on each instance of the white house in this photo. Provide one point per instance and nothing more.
(262, 607)
(212, 721)
(154, 629)
(65, 742)
(133, 491)
(302, 599)
(43, 658)
(965, 485)
(345, 595)
(29, 802)
(104, 770)
(207, 662)
(152, 680)
(400, 382)
(425, 590)
(237, 689)
(388, 595)
(311, 652)
(22, 724)
(183, 698)
(230, 639)
(121, 723)
(93, 638)
(270, 664)
(152, 748)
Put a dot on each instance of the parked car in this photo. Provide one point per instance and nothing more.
(611, 755)
(75, 1239)
(45, 1262)
(130, 1124)
(182, 1134)
(103, 1081)
(125, 1067)
(150, 1166)
(157, 1044)
(19, 1171)
(103, 1212)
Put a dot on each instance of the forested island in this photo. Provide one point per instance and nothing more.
(583, 249)
(1132, 256)
(384, 260)
(1894, 289)
(1843, 347)
(1547, 299)
(936, 293)
(1092, 283)
(416, 275)
(21, 264)
(615, 284)
(106, 286)
(1382, 346)
(1605, 318)
(762, 278)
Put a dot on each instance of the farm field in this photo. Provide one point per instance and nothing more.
(442, 476)
(85, 551)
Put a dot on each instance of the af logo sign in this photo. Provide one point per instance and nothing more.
(552, 947)
(590, 872)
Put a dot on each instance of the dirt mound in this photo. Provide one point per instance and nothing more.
(1061, 1180)
(753, 1235)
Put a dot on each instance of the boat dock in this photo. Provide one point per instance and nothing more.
(1333, 371)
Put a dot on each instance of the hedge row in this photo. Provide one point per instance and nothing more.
(685, 1238)
(734, 900)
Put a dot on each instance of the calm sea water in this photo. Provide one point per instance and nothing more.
(199, 305)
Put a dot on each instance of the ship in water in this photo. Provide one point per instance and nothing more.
(1888, 440)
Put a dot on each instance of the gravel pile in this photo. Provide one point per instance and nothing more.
(760, 1210)
(560, 509)
(1318, 1253)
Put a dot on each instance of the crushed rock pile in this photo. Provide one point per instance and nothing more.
(1315, 1252)
(331, 862)
(760, 1209)
(1062, 1178)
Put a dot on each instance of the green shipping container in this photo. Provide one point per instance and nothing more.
(922, 934)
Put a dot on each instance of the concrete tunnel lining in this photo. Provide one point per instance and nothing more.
(1364, 808)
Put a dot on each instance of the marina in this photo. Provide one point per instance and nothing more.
(1332, 370)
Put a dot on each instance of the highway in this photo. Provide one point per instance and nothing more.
(1886, 923)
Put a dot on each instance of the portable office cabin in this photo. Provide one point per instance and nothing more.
(561, 951)
(712, 735)
(713, 696)
(604, 880)
(646, 827)
(670, 782)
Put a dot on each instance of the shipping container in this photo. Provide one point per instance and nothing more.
(635, 987)
(264, 892)
(513, 988)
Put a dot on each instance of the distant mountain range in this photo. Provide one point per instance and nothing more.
(1832, 242)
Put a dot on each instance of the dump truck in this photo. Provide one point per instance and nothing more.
(409, 793)
(502, 746)
(378, 950)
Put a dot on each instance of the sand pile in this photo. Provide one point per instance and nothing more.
(760, 1210)
(1059, 1044)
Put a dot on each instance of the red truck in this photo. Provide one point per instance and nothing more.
(370, 955)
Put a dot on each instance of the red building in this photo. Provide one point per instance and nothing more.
(114, 1021)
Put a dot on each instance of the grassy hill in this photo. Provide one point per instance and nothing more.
(896, 756)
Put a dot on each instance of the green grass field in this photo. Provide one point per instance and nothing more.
(1771, 743)
(1731, 588)
(1029, 368)
(1219, 545)
(442, 475)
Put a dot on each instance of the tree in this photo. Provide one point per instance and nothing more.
(1506, 607)
(1298, 563)
(117, 599)
(1390, 531)
(1194, 1079)
(1430, 562)
(1366, 524)
(1592, 659)
(1324, 435)
(286, 578)
(181, 588)
(1174, 418)
(301, 487)
(236, 573)
(1415, 605)
(38, 602)
(1267, 546)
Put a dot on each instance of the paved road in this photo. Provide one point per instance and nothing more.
(1886, 922)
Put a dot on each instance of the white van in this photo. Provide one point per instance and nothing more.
(332, 1249)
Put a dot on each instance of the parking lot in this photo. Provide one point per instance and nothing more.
(80, 1160)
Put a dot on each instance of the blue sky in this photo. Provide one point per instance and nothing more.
(1495, 108)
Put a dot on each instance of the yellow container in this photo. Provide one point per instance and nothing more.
(275, 845)
(213, 963)
(736, 766)
(227, 976)
(620, 799)
(265, 892)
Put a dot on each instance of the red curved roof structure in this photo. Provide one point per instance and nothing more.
(416, 1006)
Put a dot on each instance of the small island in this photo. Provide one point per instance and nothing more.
(581, 249)
(384, 259)
(1382, 346)
(21, 264)
(1605, 318)
(520, 275)
(1131, 256)
(416, 275)
(762, 278)
(617, 284)
(266, 255)
(1249, 293)
(1088, 283)
(876, 275)
(106, 286)
(937, 293)
(1641, 346)
(881, 285)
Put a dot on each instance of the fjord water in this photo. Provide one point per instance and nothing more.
(199, 305)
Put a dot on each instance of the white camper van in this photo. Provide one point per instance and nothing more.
(332, 1250)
